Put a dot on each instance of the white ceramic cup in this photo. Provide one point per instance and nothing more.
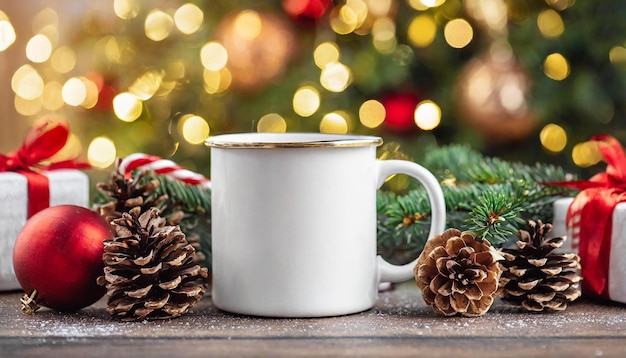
(294, 222)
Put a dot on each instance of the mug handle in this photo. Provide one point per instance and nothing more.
(397, 273)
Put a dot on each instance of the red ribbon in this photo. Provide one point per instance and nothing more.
(598, 198)
(40, 144)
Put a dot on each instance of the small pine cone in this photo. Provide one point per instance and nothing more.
(127, 193)
(458, 274)
(150, 272)
(534, 277)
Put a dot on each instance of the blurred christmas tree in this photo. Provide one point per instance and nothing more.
(523, 80)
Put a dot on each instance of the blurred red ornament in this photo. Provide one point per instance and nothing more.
(58, 253)
(306, 11)
(491, 97)
(400, 111)
(105, 98)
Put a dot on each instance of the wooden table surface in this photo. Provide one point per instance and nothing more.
(400, 325)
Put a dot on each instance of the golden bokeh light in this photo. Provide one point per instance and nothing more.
(7, 32)
(217, 81)
(101, 152)
(213, 56)
(617, 55)
(27, 107)
(126, 9)
(38, 48)
(458, 33)
(427, 115)
(91, 93)
(560, 4)
(432, 3)
(52, 96)
(127, 107)
(372, 113)
(586, 154)
(306, 101)
(195, 129)
(553, 138)
(334, 123)
(188, 18)
(417, 5)
(74, 92)
(158, 25)
(384, 35)
(422, 30)
(248, 25)
(272, 122)
(27, 83)
(550, 23)
(343, 20)
(335, 77)
(63, 59)
(326, 53)
(146, 85)
(556, 67)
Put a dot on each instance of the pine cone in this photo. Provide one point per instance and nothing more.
(127, 193)
(534, 277)
(458, 274)
(150, 271)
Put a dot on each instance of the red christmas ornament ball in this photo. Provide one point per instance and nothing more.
(58, 252)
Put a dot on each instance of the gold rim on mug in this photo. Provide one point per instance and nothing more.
(291, 140)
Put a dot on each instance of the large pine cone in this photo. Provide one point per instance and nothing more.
(150, 271)
(534, 277)
(458, 274)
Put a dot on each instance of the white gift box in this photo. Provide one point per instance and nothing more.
(617, 256)
(67, 186)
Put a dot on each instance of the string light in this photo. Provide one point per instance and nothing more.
(7, 32)
(127, 107)
(326, 53)
(335, 77)
(458, 33)
(213, 56)
(101, 152)
(372, 113)
(74, 92)
(38, 48)
(272, 122)
(553, 138)
(427, 115)
(195, 129)
(158, 25)
(306, 101)
(188, 18)
(556, 67)
(335, 123)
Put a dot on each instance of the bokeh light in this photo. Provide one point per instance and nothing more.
(432, 3)
(38, 48)
(422, 30)
(74, 92)
(7, 32)
(217, 81)
(325, 53)
(343, 20)
(52, 96)
(372, 113)
(27, 83)
(427, 115)
(384, 35)
(334, 123)
(248, 25)
(126, 9)
(101, 152)
(188, 18)
(458, 33)
(335, 77)
(127, 107)
(195, 129)
(586, 154)
(213, 56)
(617, 55)
(306, 101)
(553, 138)
(158, 25)
(146, 85)
(556, 67)
(63, 59)
(27, 107)
(550, 23)
(272, 122)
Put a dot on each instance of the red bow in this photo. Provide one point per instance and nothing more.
(40, 144)
(596, 202)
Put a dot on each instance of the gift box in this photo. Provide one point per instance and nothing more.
(595, 223)
(66, 186)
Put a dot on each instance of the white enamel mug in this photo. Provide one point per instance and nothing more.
(294, 222)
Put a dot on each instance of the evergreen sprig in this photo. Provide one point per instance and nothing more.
(490, 197)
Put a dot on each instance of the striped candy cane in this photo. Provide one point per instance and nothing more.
(163, 167)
